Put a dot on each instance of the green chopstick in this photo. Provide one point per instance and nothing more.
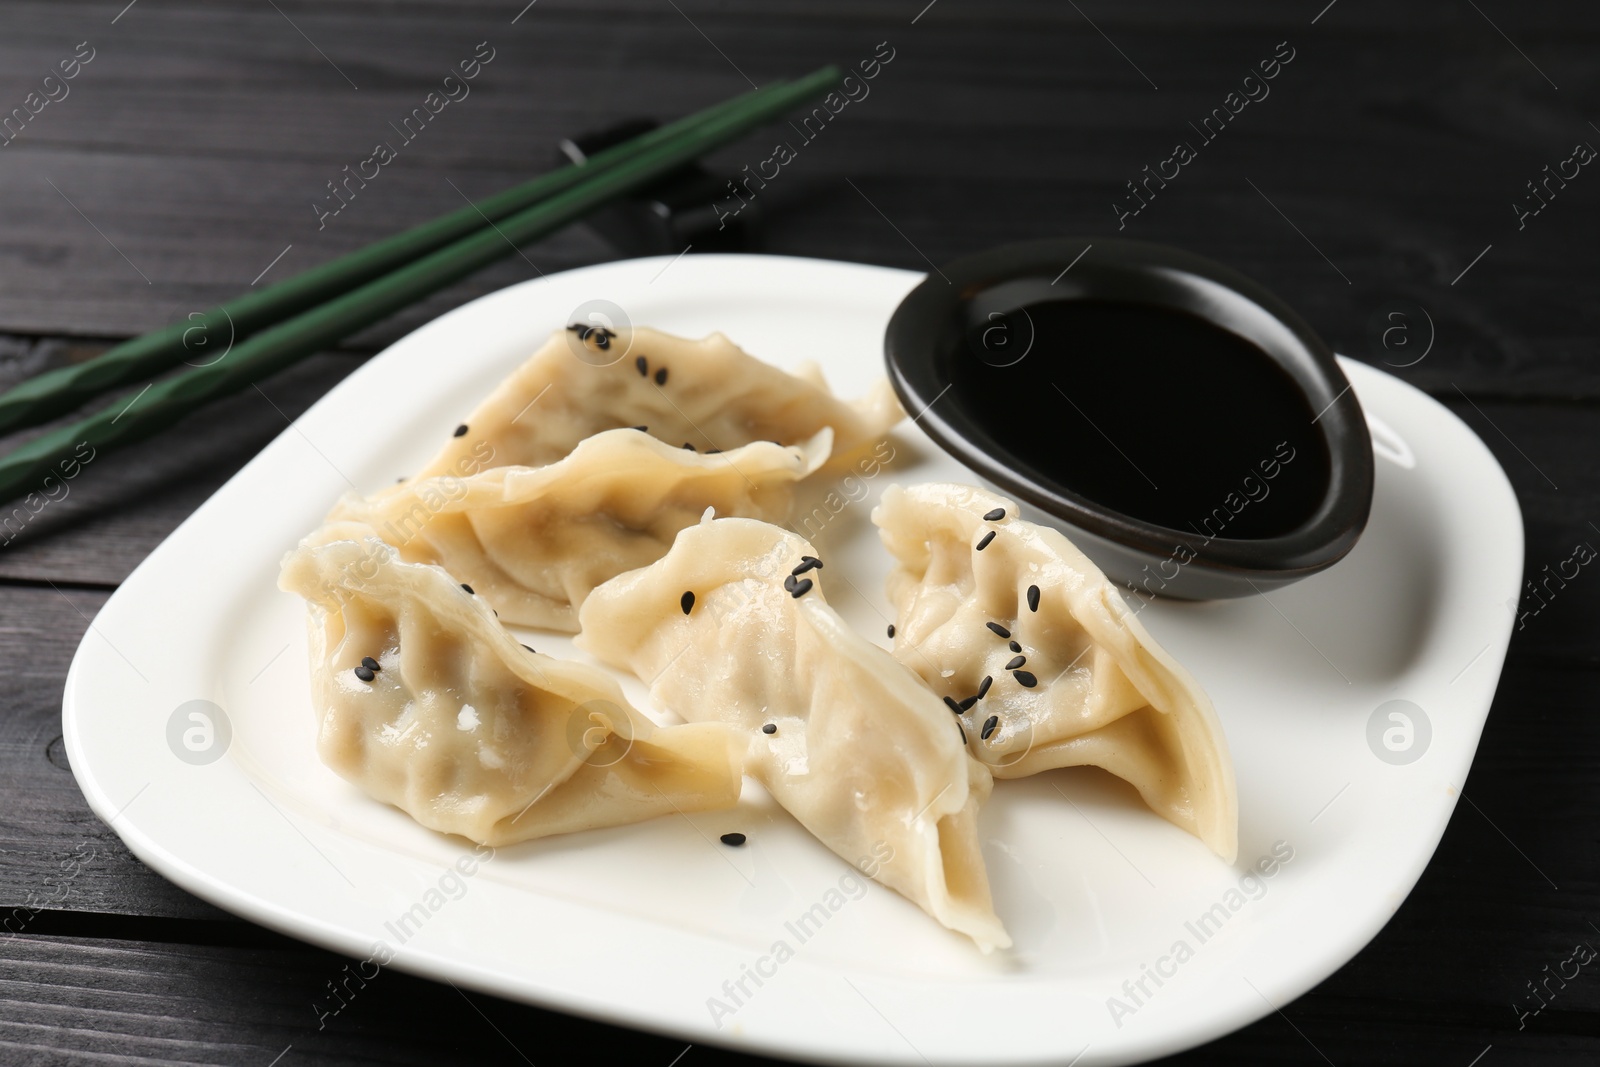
(55, 392)
(160, 404)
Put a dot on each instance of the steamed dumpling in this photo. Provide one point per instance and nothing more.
(533, 541)
(465, 730)
(723, 628)
(1091, 687)
(708, 393)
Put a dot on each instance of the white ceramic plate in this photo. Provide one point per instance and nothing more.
(652, 925)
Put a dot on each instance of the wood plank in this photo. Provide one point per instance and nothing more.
(125, 503)
(72, 1000)
(1547, 452)
(985, 128)
(54, 852)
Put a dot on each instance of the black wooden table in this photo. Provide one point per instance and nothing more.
(1385, 167)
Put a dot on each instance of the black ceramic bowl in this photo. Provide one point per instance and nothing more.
(1148, 398)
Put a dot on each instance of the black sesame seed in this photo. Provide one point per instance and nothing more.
(467, 587)
(689, 445)
(950, 703)
(967, 703)
(806, 563)
(1016, 661)
(642, 429)
(365, 674)
(770, 728)
(1025, 679)
(989, 725)
(602, 339)
(1033, 598)
(578, 327)
(370, 664)
(985, 542)
(995, 516)
(983, 686)
(962, 730)
(643, 365)
(1015, 647)
(661, 376)
(686, 602)
(733, 840)
(796, 585)
(999, 631)
(530, 649)
(713, 451)
(891, 629)
(461, 431)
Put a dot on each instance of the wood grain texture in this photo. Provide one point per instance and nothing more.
(1385, 159)
(69, 999)
(1548, 452)
(1394, 143)
(55, 854)
(125, 503)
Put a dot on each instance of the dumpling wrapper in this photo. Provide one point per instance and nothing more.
(863, 755)
(533, 541)
(1106, 695)
(713, 396)
(464, 729)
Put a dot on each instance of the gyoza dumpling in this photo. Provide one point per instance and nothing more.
(731, 625)
(533, 541)
(1016, 627)
(708, 393)
(465, 730)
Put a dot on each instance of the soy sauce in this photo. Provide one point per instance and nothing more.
(1150, 411)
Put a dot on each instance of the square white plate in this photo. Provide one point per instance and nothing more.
(657, 925)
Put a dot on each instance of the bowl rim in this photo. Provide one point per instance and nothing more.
(1326, 536)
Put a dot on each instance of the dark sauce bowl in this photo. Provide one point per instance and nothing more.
(1195, 434)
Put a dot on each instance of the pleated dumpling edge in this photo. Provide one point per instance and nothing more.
(707, 393)
(425, 702)
(731, 625)
(1010, 621)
